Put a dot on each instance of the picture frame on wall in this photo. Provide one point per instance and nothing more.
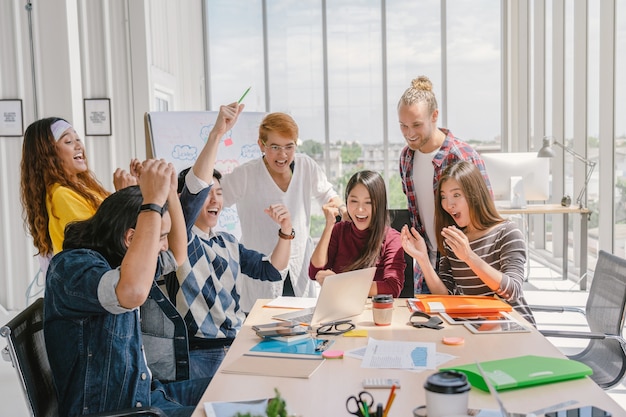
(11, 117)
(97, 116)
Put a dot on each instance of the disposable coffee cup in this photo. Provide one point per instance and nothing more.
(382, 309)
(447, 394)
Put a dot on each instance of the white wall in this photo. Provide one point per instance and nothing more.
(122, 50)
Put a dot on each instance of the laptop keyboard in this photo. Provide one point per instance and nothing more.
(304, 316)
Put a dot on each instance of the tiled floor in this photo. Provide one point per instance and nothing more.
(545, 286)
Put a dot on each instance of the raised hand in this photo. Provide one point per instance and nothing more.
(155, 180)
(458, 242)
(280, 214)
(414, 244)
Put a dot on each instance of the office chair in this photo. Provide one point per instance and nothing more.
(26, 349)
(400, 217)
(606, 351)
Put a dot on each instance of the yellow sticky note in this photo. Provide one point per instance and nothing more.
(356, 333)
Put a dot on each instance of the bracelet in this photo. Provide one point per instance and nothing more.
(287, 237)
(151, 207)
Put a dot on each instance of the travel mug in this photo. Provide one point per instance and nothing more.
(447, 394)
(382, 309)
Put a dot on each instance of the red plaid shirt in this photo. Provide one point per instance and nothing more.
(451, 151)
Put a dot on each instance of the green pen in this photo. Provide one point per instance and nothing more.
(244, 95)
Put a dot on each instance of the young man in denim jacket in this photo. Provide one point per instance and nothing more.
(94, 289)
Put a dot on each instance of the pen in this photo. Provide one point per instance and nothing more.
(366, 410)
(244, 95)
(322, 345)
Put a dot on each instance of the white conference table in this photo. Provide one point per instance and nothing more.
(326, 391)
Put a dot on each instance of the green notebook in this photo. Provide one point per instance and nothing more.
(523, 371)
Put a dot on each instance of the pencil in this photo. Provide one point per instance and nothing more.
(392, 396)
(388, 406)
(244, 95)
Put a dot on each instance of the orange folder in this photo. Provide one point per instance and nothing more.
(457, 304)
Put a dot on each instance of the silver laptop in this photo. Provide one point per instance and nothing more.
(342, 295)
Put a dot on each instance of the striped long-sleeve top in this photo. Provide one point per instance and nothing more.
(504, 248)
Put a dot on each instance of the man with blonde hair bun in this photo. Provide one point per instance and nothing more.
(428, 152)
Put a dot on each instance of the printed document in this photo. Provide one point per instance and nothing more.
(399, 355)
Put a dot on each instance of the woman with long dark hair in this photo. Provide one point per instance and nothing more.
(365, 240)
(482, 253)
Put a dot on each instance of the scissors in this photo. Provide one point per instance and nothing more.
(357, 405)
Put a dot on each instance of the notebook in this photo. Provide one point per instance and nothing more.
(342, 295)
(523, 371)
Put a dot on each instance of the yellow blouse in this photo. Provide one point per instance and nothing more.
(65, 206)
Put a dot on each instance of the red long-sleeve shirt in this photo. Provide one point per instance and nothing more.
(346, 244)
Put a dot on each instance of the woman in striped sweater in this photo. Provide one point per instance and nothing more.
(482, 253)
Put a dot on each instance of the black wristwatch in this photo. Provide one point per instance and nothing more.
(151, 207)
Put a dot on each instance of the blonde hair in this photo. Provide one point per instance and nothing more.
(421, 90)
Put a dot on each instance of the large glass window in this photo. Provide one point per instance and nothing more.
(235, 47)
(474, 65)
(295, 62)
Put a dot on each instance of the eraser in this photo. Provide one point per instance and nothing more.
(332, 354)
(453, 340)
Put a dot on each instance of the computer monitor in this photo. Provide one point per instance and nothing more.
(505, 169)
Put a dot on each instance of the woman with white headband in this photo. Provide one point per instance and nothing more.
(57, 186)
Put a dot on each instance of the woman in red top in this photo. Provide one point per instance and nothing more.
(367, 239)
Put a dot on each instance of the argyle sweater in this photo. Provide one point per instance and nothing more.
(207, 295)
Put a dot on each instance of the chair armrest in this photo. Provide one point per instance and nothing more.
(573, 335)
(557, 309)
(131, 412)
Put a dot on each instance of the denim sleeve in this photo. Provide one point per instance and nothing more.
(80, 282)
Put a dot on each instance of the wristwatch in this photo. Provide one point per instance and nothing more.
(287, 237)
(151, 207)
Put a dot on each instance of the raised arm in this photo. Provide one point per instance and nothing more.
(145, 240)
(282, 250)
(177, 238)
(226, 119)
(319, 258)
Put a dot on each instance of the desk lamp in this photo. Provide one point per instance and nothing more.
(546, 151)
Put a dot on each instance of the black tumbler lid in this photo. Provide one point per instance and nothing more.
(447, 382)
(382, 298)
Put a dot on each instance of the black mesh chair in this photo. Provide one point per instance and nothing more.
(606, 351)
(400, 217)
(26, 349)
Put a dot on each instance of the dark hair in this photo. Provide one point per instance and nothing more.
(375, 185)
(181, 178)
(105, 231)
(482, 210)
